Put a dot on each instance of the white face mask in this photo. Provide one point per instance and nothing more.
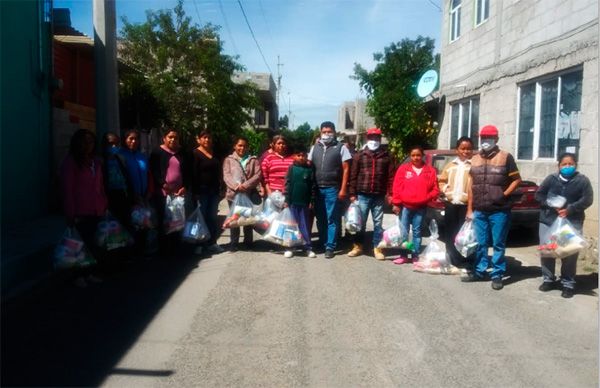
(488, 144)
(373, 144)
(326, 138)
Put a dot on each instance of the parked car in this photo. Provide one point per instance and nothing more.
(525, 209)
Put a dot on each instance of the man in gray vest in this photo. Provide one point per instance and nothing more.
(332, 168)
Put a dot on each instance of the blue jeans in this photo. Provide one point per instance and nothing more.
(374, 203)
(327, 213)
(496, 225)
(413, 217)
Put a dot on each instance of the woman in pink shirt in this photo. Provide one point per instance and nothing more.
(83, 196)
(275, 165)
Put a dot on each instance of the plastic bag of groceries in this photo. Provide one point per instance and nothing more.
(465, 241)
(143, 217)
(242, 212)
(561, 240)
(195, 229)
(396, 237)
(433, 260)
(71, 252)
(353, 218)
(110, 234)
(284, 231)
(270, 210)
(174, 214)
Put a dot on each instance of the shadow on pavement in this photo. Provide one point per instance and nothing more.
(587, 284)
(59, 335)
(517, 271)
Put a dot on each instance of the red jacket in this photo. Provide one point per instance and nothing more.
(414, 191)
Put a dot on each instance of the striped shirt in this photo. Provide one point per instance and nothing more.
(274, 169)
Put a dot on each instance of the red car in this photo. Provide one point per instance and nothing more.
(525, 209)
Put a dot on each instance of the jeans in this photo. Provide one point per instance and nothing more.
(568, 266)
(374, 203)
(495, 224)
(328, 219)
(413, 217)
(209, 205)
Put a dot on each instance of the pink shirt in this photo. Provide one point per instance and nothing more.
(173, 179)
(274, 168)
(82, 188)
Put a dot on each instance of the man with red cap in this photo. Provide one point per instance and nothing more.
(494, 177)
(371, 177)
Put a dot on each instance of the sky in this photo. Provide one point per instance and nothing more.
(317, 41)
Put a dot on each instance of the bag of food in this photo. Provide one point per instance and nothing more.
(143, 217)
(242, 212)
(110, 234)
(284, 231)
(434, 259)
(396, 237)
(174, 214)
(195, 229)
(71, 252)
(465, 241)
(270, 211)
(353, 218)
(561, 240)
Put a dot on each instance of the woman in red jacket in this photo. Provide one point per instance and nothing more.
(415, 184)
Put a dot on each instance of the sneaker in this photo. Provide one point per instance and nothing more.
(80, 282)
(470, 276)
(356, 251)
(497, 284)
(567, 293)
(378, 253)
(94, 279)
(215, 248)
(329, 254)
(546, 286)
(311, 254)
(402, 260)
(288, 254)
(199, 249)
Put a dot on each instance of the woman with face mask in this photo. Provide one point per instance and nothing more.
(575, 194)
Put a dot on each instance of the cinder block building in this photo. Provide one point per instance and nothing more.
(353, 119)
(530, 67)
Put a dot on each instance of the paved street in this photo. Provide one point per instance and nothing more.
(258, 319)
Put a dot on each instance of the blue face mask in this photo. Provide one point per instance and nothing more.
(567, 171)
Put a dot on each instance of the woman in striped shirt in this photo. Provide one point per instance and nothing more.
(275, 165)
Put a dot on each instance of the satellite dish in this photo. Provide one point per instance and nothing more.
(427, 83)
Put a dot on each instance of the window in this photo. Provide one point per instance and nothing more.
(454, 19)
(482, 11)
(464, 121)
(549, 114)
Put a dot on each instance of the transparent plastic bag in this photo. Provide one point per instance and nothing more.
(396, 237)
(195, 229)
(561, 240)
(110, 234)
(556, 201)
(353, 218)
(434, 260)
(465, 241)
(277, 199)
(174, 214)
(284, 231)
(143, 216)
(71, 252)
(242, 212)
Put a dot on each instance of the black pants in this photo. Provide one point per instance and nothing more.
(454, 217)
(235, 232)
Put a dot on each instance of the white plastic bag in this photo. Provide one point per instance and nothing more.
(465, 241)
(556, 201)
(284, 231)
(562, 240)
(71, 252)
(242, 212)
(396, 237)
(195, 229)
(143, 217)
(434, 259)
(174, 214)
(353, 218)
(110, 234)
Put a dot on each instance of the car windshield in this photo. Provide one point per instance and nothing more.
(439, 161)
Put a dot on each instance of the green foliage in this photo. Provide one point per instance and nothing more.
(299, 137)
(304, 127)
(258, 141)
(187, 74)
(391, 91)
(284, 122)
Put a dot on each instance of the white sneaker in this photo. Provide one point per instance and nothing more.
(216, 248)
(288, 254)
(311, 254)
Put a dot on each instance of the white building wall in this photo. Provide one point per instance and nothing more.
(523, 40)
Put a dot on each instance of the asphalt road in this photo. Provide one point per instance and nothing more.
(258, 319)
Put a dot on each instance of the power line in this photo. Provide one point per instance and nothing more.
(435, 5)
(254, 37)
(235, 50)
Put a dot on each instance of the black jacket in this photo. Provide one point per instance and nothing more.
(159, 163)
(578, 192)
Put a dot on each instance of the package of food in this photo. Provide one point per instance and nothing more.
(110, 234)
(195, 229)
(434, 260)
(353, 218)
(174, 214)
(562, 240)
(465, 241)
(71, 252)
(242, 212)
(284, 231)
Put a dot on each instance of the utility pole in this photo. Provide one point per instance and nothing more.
(105, 62)
(290, 112)
(279, 65)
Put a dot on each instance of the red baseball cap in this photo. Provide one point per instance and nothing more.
(489, 131)
(373, 131)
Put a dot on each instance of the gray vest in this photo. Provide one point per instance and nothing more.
(328, 164)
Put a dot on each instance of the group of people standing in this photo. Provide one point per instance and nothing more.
(319, 182)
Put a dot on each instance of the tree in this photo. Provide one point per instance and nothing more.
(284, 122)
(391, 92)
(188, 75)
